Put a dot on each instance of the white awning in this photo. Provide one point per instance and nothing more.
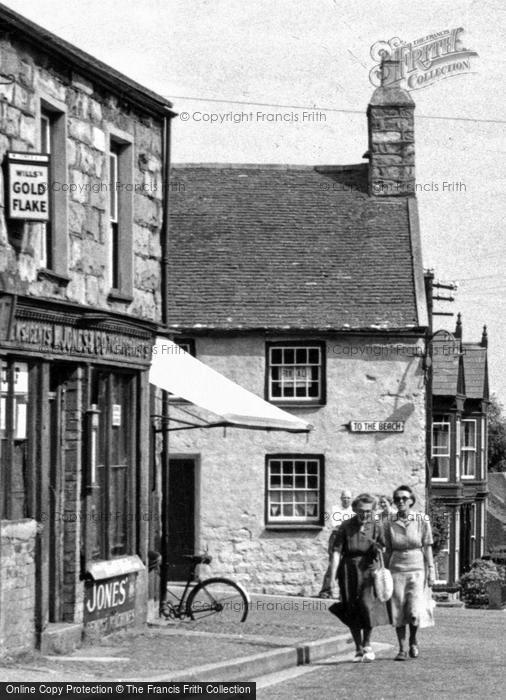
(177, 372)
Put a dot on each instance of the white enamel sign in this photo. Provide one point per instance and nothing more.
(28, 186)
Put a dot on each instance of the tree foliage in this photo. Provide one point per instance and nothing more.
(496, 436)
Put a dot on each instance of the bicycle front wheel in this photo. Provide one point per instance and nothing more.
(218, 596)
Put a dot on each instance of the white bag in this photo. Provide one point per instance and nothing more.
(383, 581)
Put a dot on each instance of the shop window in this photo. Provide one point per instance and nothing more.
(296, 373)
(53, 236)
(120, 252)
(111, 476)
(441, 448)
(13, 435)
(468, 449)
(294, 489)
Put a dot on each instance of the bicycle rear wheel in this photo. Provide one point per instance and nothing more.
(218, 596)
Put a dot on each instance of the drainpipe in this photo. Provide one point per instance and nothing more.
(165, 322)
(429, 281)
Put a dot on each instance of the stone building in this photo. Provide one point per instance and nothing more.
(82, 256)
(305, 285)
(459, 477)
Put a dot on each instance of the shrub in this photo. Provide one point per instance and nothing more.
(474, 583)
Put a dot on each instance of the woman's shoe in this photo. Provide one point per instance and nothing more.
(369, 655)
(413, 651)
(358, 658)
(401, 656)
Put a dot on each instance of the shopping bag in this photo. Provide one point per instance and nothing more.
(383, 581)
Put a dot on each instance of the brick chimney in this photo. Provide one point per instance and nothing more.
(391, 153)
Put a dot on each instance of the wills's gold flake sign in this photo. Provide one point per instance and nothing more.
(28, 186)
(374, 426)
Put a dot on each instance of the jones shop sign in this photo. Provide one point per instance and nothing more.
(28, 186)
(368, 426)
(110, 603)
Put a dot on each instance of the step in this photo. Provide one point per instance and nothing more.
(61, 638)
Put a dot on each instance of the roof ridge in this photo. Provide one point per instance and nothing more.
(272, 166)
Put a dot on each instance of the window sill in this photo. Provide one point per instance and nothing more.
(116, 295)
(296, 404)
(293, 526)
(52, 276)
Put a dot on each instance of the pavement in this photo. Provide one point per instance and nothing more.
(280, 632)
(284, 637)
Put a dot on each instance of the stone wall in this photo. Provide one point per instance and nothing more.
(361, 384)
(17, 585)
(91, 113)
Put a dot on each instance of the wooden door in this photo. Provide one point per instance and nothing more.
(181, 517)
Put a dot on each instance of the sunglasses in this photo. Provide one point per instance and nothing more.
(401, 499)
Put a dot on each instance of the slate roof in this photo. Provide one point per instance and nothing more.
(459, 372)
(447, 375)
(475, 369)
(279, 247)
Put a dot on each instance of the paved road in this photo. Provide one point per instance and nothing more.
(462, 657)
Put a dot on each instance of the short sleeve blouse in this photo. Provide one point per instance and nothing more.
(354, 538)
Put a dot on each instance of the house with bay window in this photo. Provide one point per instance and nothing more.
(304, 284)
(458, 479)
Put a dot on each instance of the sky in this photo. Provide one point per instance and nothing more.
(280, 59)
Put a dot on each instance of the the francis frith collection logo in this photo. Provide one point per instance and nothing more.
(420, 63)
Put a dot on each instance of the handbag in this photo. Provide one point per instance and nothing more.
(383, 581)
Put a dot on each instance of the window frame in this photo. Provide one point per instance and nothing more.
(120, 281)
(9, 437)
(300, 522)
(445, 420)
(295, 401)
(189, 343)
(103, 495)
(464, 450)
(55, 231)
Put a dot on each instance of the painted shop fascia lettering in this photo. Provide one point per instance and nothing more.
(59, 338)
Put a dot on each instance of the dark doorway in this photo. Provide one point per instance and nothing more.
(181, 517)
(466, 542)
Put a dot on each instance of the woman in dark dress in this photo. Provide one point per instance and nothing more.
(354, 557)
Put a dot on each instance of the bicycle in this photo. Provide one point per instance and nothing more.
(207, 597)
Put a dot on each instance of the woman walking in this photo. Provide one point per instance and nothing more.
(385, 510)
(354, 556)
(408, 540)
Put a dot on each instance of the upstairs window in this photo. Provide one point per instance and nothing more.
(52, 125)
(46, 243)
(468, 449)
(113, 216)
(441, 448)
(120, 244)
(294, 489)
(296, 373)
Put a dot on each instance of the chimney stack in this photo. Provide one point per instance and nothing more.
(391, 153)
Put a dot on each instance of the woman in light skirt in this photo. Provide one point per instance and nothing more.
(408, 540)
